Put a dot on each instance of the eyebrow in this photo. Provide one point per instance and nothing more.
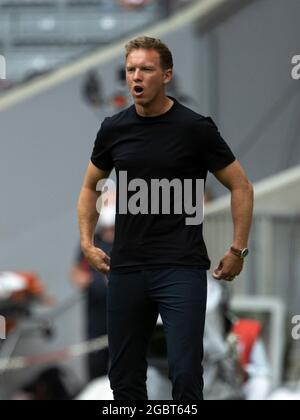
(142, 67)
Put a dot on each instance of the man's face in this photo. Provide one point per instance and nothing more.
(145, 77)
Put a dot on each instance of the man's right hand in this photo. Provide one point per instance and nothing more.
(97, 259)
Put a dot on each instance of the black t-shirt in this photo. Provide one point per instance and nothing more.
(179, 144)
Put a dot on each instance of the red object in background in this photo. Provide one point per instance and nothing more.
(18, 291)
(247, 332)
(133, 4)
(119, 101)
(32, 287)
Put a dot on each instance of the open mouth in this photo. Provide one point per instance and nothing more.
(138, 90)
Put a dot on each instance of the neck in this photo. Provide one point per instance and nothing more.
(158, 106)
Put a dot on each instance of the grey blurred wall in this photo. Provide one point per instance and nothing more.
(256, 102)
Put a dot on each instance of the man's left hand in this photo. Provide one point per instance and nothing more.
(230, 266)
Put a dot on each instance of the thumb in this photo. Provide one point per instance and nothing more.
(216, 273)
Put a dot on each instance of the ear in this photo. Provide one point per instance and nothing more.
(168, 76)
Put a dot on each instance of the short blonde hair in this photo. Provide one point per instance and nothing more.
(147, 43)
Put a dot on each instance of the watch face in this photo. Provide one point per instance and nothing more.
(244, 253)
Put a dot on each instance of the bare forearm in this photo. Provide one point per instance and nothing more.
(87, 216)
(242, 211)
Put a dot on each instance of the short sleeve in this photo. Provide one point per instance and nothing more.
(215, 151)
(101, 155)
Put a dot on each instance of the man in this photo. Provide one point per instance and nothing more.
(159, 262)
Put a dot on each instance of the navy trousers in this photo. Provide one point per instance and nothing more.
(134, 301)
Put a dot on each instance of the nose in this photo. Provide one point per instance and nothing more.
(137, 75)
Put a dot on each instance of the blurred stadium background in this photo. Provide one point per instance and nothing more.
(64, 74)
